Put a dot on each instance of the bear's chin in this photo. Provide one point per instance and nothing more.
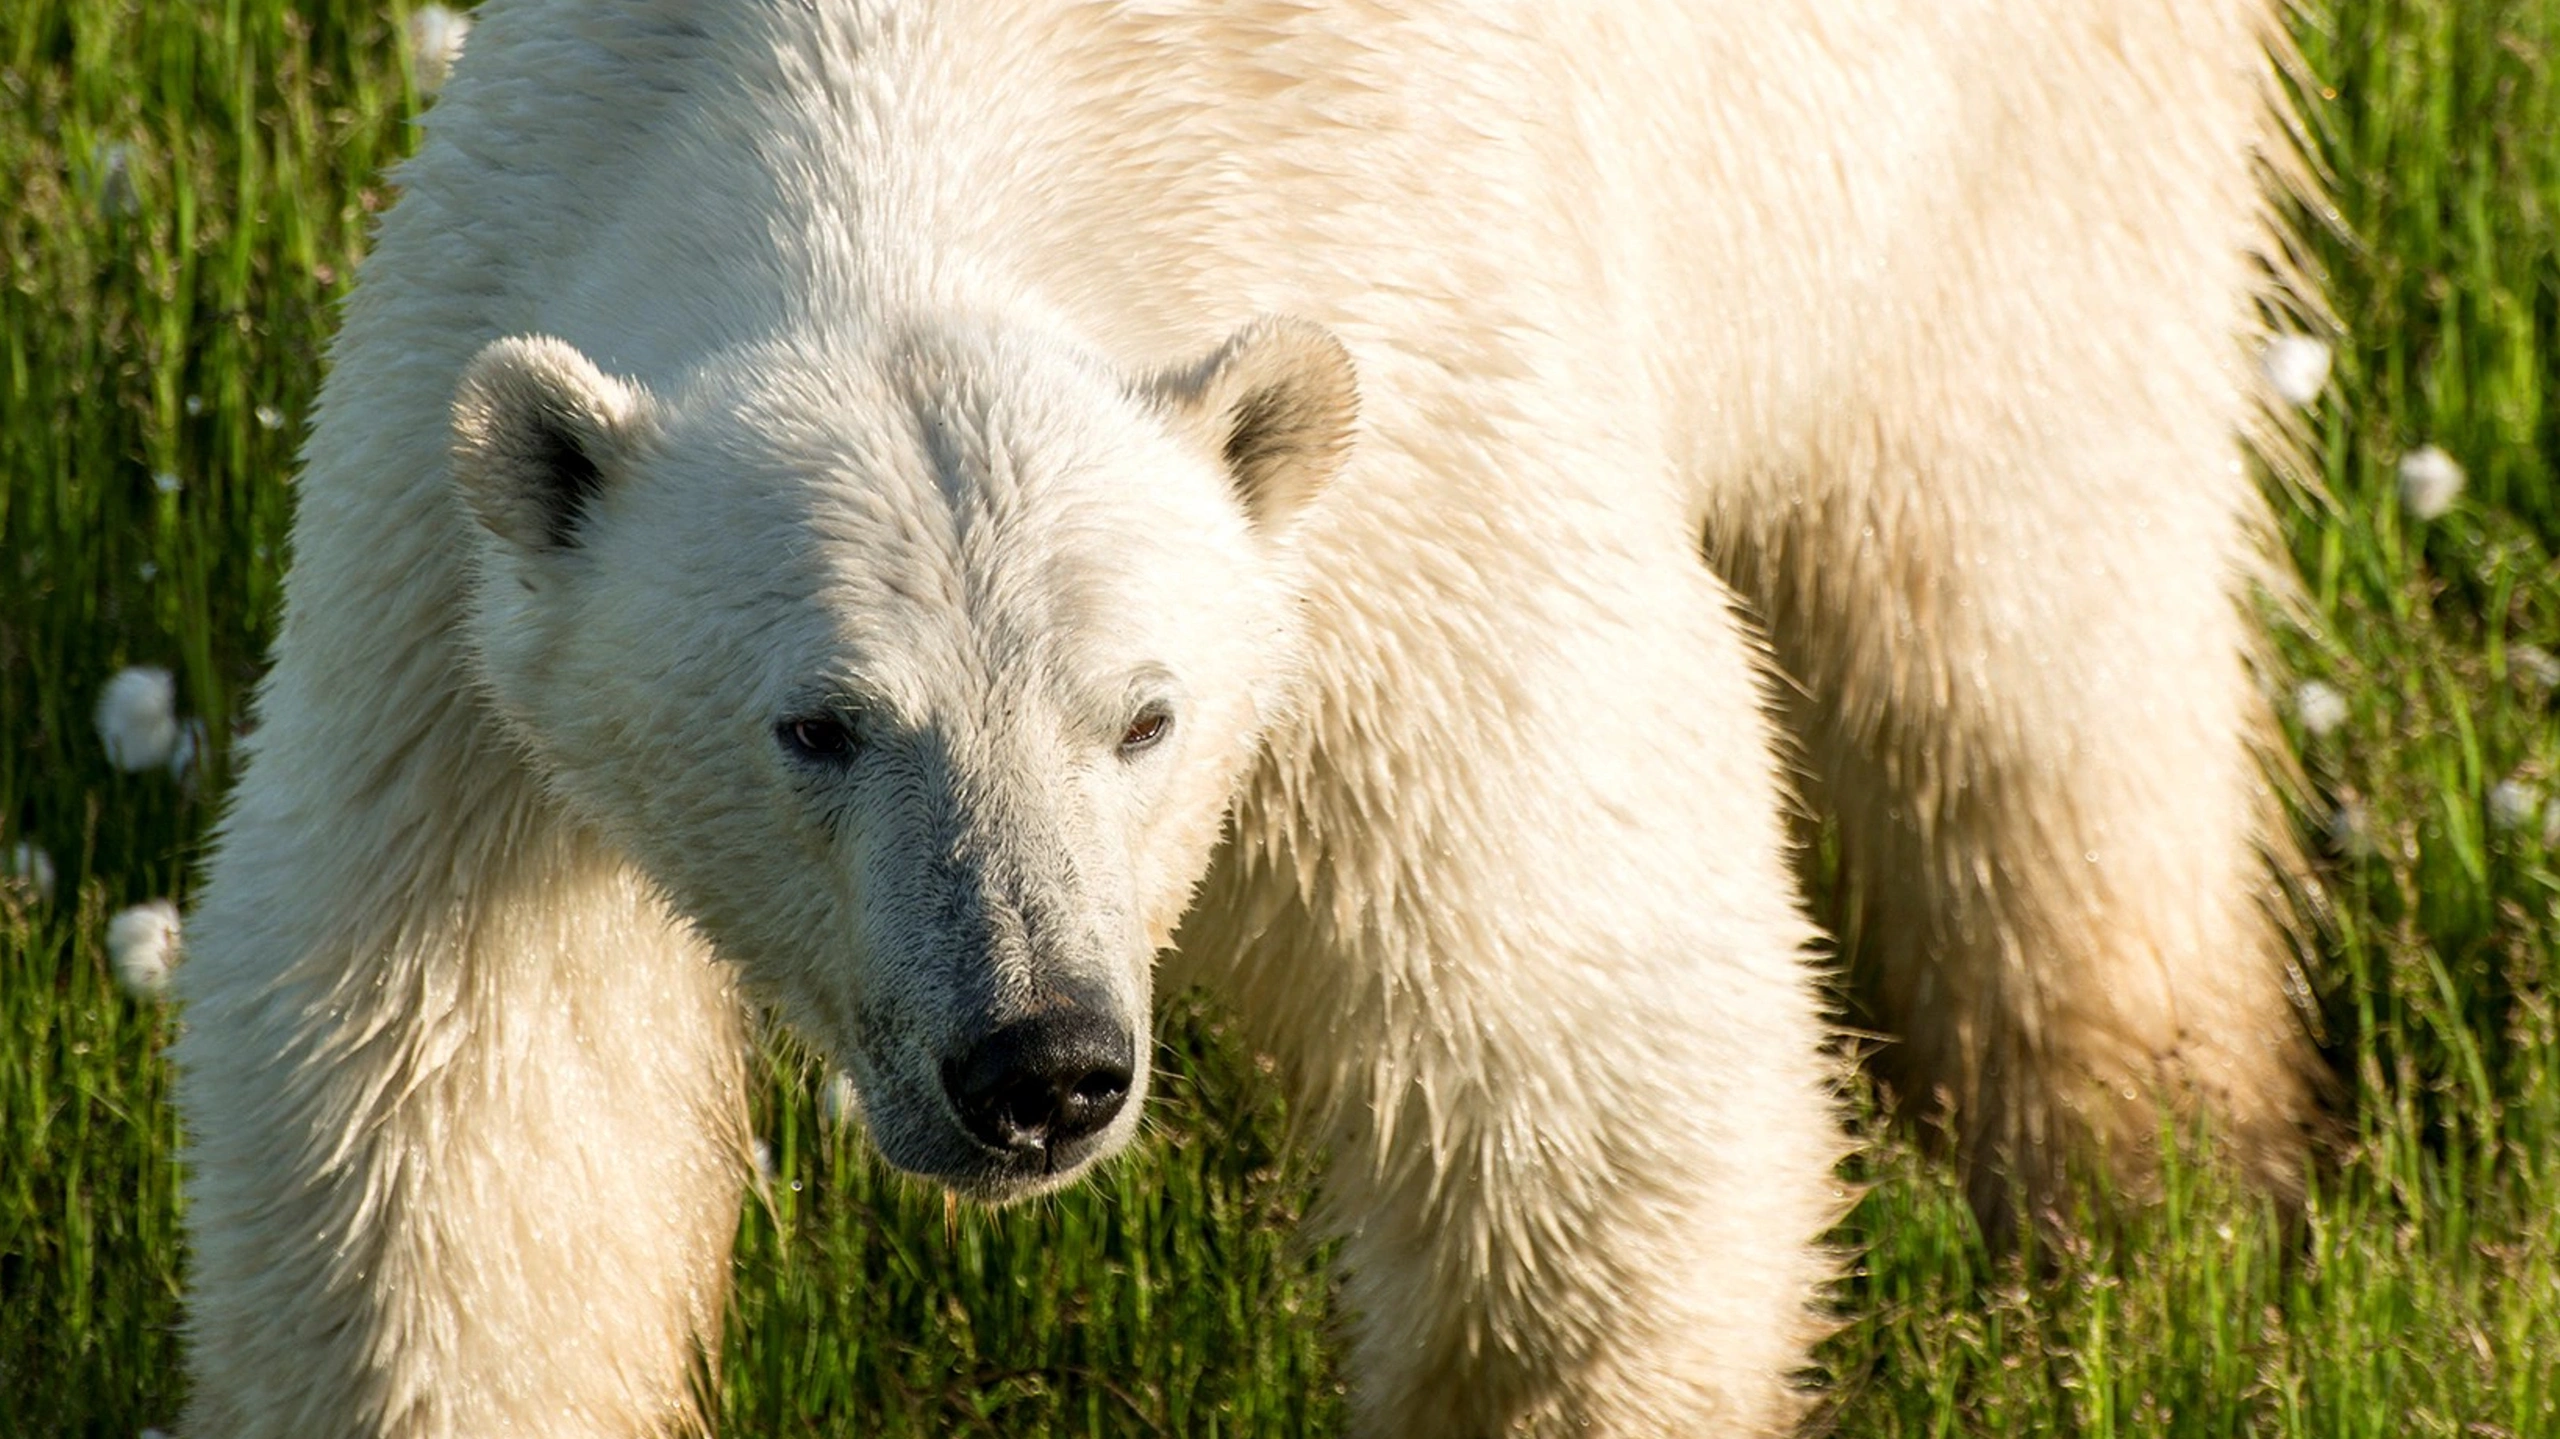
(936, 1149)
(991, 1177)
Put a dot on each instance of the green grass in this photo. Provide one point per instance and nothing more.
(144, 329)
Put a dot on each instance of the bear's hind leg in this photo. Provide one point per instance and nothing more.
(2006, 538)
(2030, 706)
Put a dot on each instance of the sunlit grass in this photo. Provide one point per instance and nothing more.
(183, 191)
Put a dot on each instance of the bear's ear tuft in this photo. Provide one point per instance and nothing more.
(1277, 402)
(538, 431)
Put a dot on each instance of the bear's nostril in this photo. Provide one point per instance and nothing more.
(1103, 1086)
(1036, 1083)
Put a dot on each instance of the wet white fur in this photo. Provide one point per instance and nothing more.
(1927, 318)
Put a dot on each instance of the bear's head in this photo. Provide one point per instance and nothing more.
(919, 678)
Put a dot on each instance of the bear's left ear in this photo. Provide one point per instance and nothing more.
(1277, 402)
(538, 432)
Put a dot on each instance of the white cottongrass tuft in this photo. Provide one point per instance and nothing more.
(138, 718)
(166, 482)
(189, 749)
(838, 1102)
(2430, 481)
(113, 163)
(2296, 367)
(2513, 804)
(2320, 707)
(2350, 830)
(31, 869)
(268, 417)
(143, 946)
(435, 42)
(2534, 666)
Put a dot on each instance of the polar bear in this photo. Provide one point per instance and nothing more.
(945, 519)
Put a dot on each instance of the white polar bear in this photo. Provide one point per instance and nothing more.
(945, 507)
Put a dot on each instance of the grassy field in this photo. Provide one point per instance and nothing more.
(183, 192)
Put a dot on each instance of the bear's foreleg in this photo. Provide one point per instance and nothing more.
(465, 1127)
(1536, 969)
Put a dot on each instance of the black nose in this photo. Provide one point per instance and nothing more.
(1040, 1082)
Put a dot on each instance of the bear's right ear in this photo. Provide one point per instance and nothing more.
(538, 431)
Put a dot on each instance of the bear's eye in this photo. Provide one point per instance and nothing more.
(817, 739)
(1146, 729)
